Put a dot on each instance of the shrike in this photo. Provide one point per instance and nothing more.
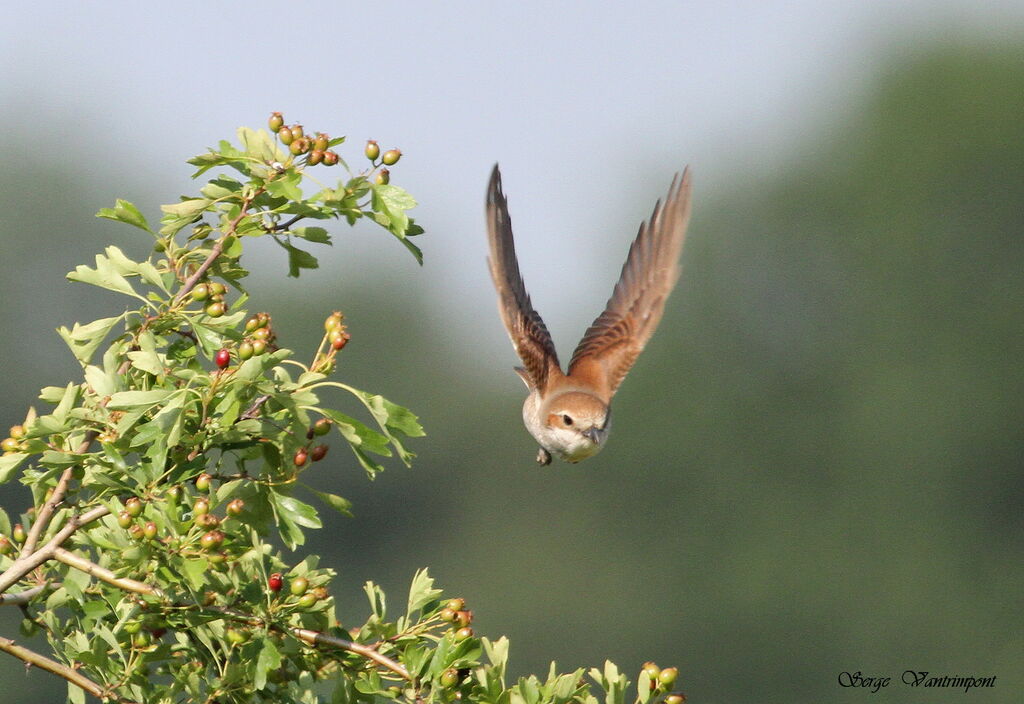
(569, 413)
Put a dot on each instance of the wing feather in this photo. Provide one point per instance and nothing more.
(615, 339)
(526, 329)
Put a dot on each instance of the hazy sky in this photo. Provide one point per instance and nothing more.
(589, 107)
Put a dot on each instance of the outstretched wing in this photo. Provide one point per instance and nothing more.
(529, 336)
(615, 339)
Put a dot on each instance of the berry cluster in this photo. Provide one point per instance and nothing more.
(316, 148)
(211, 294)
(14, 440)
(455, 613)
(304, 598)
(336, 336)
(259, 334)
(661, 680)
(390, 158)
(310, 451)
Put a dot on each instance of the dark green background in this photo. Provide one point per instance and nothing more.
(816, 466)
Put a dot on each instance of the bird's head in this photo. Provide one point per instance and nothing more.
(581, 422)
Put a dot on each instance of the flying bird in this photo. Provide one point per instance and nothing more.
(569, 413)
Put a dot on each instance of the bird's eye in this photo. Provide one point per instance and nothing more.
(567, 420)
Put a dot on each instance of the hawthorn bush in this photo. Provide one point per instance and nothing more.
(158, 555)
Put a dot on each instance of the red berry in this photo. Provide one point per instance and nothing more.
(330, 158)
(463, 618)
(315, 157)
(300, 458)
(5, 545)
(275, 582)
(318, 452)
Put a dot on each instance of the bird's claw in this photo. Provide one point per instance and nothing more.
(543, 457)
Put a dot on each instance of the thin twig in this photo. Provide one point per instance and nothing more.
(317, 638)
(26, 563)
(21, 598)
(252, 411)
(44, 663)
(46, 512)
(103, 574)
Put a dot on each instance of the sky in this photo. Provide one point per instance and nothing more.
(589, 107)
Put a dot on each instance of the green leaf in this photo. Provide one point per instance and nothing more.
(299, 259)
(138, 399)
(301, 513)
(9, 464)
(105, 275)
(286, 186)
(85, 339)
(338, 503)
(312, 234)
(125, 212)
(421, 592)
(378, 603)
(269, 659)
(187, 208)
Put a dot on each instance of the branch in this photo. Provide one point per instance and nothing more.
(103, 574)
(44, 663)
(26, 563)
(315, 638)
(21, 598)
(46, 512)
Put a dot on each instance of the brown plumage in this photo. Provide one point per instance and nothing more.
(568, 413)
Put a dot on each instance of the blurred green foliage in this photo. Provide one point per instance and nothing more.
(816, 466)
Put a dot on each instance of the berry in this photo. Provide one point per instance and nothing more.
(383, 177)
(245, 350)
(456, 604)
(141, 640)
(463, 618)
(668, 676)
(237, 636)
(124, 519)
(339, 339)
(216, 309)
(330, 158)
(135, 531)
(653, 671)
(276, 121)
(217, 288)
(299, 146)
(372, 151)
(132, 627)
(235, 507)
(449, 678)
(201, 506)
(447, 614)
(261, 334)
(207, 520)
(222, 358)
(315, 157)
(133, 506)
(203, 482)
(307, 600)
(321, 141)
(322, 426)
(297, 131)
(252, 323)
(675, 698)
(333, 321)
(285, 135)
(149, 530)
(217, 558)
(298, 586)
(300, 457)
(17, 432)
(10, 445)
(174, 493)
(275, 582)
(318, 452)
(201, 292)
(391, 157)
(263, 319)
(321, 593)
(211, 540)
(463, 633)
(259, 347)
(5, 545)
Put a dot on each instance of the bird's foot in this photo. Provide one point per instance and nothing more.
(543, 457)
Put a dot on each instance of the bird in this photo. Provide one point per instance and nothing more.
(569, 413)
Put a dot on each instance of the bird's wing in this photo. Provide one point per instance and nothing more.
(526, 329)
(615, 339)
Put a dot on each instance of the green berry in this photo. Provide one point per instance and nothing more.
(124, 519)
(276, 121)
(17, 432)
(372, 150)
(320, 143)
(201, 506)
(391, 157)
(383, 177)
(201, 292)
(6, 546)
(299, 146)
(237, 636)
(322, 426)
(245, 350)
(216, 309)
(132, 627)
(141, 640)
(456, 604)
(333, 321)
(675, 698)
(307, 600)
(449, 678)
(149, 530)
(463, 633)
(261, 334)
(10, 445)
(447, 614)
(298, 586)
(285, 135)
(668, 676)
(652, 670)
(203, 482)
(206, 520)
(133, 506)
(235, 507)
(297, 131)
(211, 540)
(258, 347)
(330, 158)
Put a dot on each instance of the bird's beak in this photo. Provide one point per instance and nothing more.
(594, 435)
